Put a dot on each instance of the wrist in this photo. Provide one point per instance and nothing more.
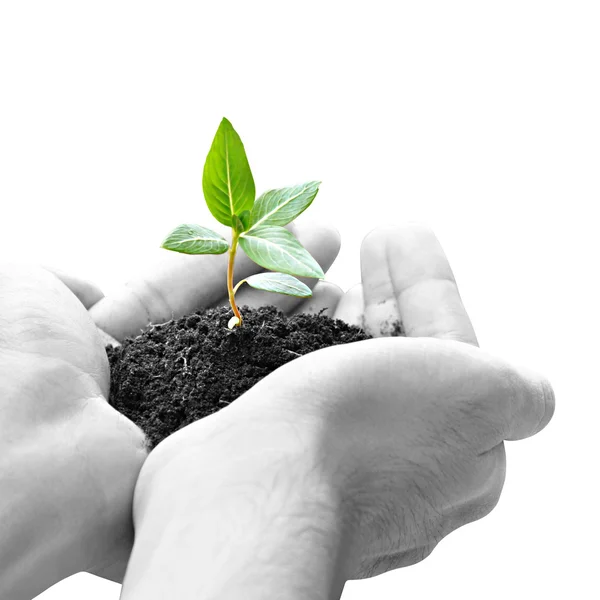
(242, 513)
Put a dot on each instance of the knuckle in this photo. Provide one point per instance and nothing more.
(486, 406)
(479, 422)
(549, 404)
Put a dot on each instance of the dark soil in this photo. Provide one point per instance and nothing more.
(176, 373)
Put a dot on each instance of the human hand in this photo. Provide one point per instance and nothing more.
(347, 462)
(174, 285)
(69, 461)
(68, 472)
(442, 408)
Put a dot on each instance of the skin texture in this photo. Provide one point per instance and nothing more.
(343, 464)
(68, 461)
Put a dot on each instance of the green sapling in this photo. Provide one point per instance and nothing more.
(257, 226)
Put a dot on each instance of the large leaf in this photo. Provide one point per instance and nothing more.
(280, 207)
(276, 249)
(193, 239)
(279, 283)
(227, 180)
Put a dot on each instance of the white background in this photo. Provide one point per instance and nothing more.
(480, 118)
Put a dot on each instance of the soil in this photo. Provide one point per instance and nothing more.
(181, 371)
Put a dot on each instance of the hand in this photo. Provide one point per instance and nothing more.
(347, 462)
(441, 413)
(69, 460)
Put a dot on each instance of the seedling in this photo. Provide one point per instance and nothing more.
(257, 225)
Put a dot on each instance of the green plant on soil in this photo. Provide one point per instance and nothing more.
(257, 225)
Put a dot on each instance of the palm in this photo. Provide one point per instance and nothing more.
(74, 459)
(45, 325)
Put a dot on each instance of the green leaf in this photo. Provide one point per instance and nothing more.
(245, 218)
(237, 224)
(279, 283)
(193, 239)
(227, 180)
(280, 207)
(276, 249)
(241, 222)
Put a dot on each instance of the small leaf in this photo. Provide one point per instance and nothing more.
(194, 239)
(237, 224)
(279, 283)
(280, 207)
(227, 180)
(276, 249)
(245, 217)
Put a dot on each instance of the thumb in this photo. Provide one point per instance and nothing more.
(533, 404)
(515, 401)
(500, 400)
(518, 401)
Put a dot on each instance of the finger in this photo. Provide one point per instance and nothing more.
(351, 306)
(464, 393)
(178, 284)
(406, 276)
(494, 399)
(107, 340)
(87, 292)
(321, 241)
(325, 298)
(500, 400)
(533, 405)
(44, 318)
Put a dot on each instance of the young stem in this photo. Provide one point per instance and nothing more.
(230, 290)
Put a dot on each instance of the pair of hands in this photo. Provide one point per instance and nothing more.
(376, 449)
(68, 461)
(347, 462)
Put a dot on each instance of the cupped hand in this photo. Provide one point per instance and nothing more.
(69, 460)
(416, 425)
(413, 427)
(349, 461)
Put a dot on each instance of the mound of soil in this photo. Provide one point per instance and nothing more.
(181, 371)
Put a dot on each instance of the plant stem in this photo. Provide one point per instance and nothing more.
(237, 286)
(230, 290)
